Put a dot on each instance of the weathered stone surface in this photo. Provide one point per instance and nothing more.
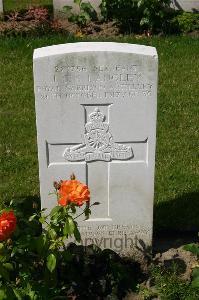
(96, 117)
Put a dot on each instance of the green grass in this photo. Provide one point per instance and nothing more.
(176, 196)
(24, 4)
(167, 285)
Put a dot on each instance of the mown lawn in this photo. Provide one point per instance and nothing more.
(176, 196)
(24, 4)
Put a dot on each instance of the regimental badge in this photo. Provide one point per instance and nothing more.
(98, 143)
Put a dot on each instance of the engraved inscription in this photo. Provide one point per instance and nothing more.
(116, 236)
(98, 143)
(113, 229)
(118, 82)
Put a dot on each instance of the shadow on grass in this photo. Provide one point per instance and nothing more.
(176, 222)
(24, 207)
(179, 214)
(27, 205)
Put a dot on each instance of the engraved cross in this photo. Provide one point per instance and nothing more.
(98, 152)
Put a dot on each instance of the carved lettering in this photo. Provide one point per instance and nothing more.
(96, 82)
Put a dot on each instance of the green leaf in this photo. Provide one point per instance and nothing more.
(73, 209)
(4, 273)
(18, 294)
(67, 256)
(193, 248)
(85, 16)
(52, 233)
(8, 266)
(42, 220)
(88, 8)
(139, 3)
(195, 282)
(77, 234)
(195, 276)
(87, 5)
(32, 217)
(73, 18)
(78, 2)
(51, 262)
(41, 243)
(87, 212)
(32, 295)
(66, 8)
(55, 210)
(69, 226)
(6, 293)
(195, 272)
(144, 21)
(96, 203)
(3, 294)
(146, 12)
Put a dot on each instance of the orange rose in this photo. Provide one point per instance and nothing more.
(73, 191)
(7, 224)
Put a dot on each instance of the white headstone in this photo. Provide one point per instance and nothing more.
(186, 5)
(1, 6)
(96, 118)
(59, 4)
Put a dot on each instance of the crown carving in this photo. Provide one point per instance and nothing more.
(96, 116)
(96, 121)
(98, 143)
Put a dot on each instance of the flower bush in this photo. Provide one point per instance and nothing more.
(35, 20)
(148, 16)
(37, 263)
(22, 254)
(37, 13)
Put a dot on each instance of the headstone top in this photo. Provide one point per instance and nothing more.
(95, 46)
